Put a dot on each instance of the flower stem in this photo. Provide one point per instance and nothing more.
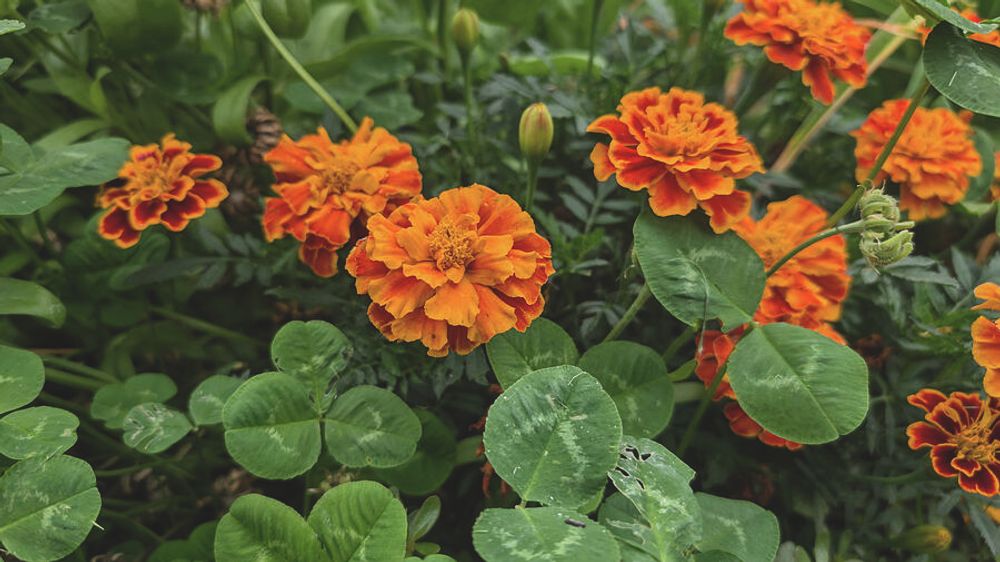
(203, 326)
(442, 37)
(78, 368)
(678, 342)
(706, 399)
(629, 315)
(882, 157)
(300, 70)
(529, 197)
(470, 108)
(75, 381)
(43, 233)
(595, 17)
(844, 229)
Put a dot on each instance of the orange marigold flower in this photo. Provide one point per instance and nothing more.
(324, 186)
(818, 38)
(452, 271)
(991, 38)
(159, 184)
(931, 162)
(744, 426)
(963, 435)
(995, 188)
(986, 348)
(685, 152)
(989, 292)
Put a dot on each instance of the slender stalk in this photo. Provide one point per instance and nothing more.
(470, 106)
(75, 381)
(706, 399)
(845, 229)
(79, 368)
(883, 155)
(43, 233)
(111, 473)
(442, 36)
(629, 315)
(595, 18)
(300, 70)
(529, 197)
(679, 342)
(203, 326)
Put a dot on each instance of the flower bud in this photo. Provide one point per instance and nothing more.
(924, 539)
(881, 253)
(885, 239)
(465, 30)
(535, 132)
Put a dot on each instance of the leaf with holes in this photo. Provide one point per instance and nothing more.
(42, 431)
(967, 72)
(272, 428)
(259, 528)
(152, 427)
(544, 344)
(22, 376)
(370, 426)
(798, 384)
(697, 274)
(658, 485)
(47, 507)
(541, 533)
(740, 528)
(209, 397)
(360, 522)
(636, 378)
(620, 517)
(113, 401)
(553, 435)
(313, 352)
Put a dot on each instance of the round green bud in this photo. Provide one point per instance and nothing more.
(535, 131)
(465, 30)
(924, 539)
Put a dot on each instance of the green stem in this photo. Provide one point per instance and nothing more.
(40, 225)
(300, 70)
(899, 479)
(470, 107)
(595, 18)
(629, 315)
(442, 37)
(203, 326)
(78, 368)
(882, 157)
(706, 399)
(679, 342)
(114, 472)
(529, 196)
(21, 241)
(67, 379)
(844, 229)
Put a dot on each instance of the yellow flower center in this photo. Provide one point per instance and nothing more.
(337, 175)
(974, 442)
(452, 240)
(152, 180)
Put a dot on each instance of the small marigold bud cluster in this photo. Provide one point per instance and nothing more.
(885, 239)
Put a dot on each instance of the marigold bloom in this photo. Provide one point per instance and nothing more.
(964, 437)
(685, 152)
(989, 292)
(452, 271)
(995, 188)
(159, 184)
(931, 162)
(744, 426)
(991, 38)
(986, 348)
(324, 186)
(818, 38)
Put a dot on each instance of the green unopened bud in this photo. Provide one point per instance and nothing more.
(535, 132)
(876, 202)
(465, 30)
(881, 253)
(924, 539)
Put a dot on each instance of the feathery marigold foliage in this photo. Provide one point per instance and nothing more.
(159, 184)
(452, 271)
(324, 188)
(686, 153)
(819, 38)
(931, 162)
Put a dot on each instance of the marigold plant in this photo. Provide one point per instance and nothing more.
(325, 187)
(452, 271)
(819, 38)
(686, 153)
(931, 162)
(160, 184)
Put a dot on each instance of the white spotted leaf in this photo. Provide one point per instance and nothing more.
(265, 530)
(514, 354)
(360, 522)
(636, 378)
(741, 528)
(553, 435)
(314, 351)
(41, 431)
(635, 538)
(798, 384)
(697, 274)
(370, 426)
(22, 376)
(966, 71)
(209, 397)
(272, 428)
(153, 428)
(430, 465)
(112, 402)
(542, 533)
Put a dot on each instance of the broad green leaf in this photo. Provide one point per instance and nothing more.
(261, 529)
(47, 507)
(16, 152)
(198, 547)
(360, 522)
(740, 528)
(553, 435)
(229, 114)
(620, 517)
(514, 354)
(5, 63)
(941, 11)
(636, 378)
(370, 426)
(798, 384)
(696, 274)
(272, 428)
(31, 299)
(313, 352)
(980, 185)
(112, 402)
(533, 534)
(967, 72)
(10, 26)
(209, 397)
(432, 462)
(153, 428)
(34, 183)
(658, 484)
(41, 431)
(60, 17)
(421, 521)
(22, 376)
